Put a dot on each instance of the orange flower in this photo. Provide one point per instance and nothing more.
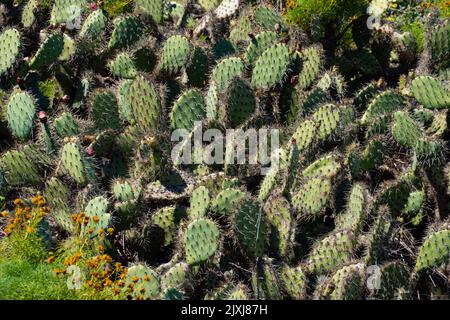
(100, 248)
(110, 231)
(51, 259)
(107, 283)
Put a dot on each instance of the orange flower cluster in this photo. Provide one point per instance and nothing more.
(100, 270)
(82, 219)
(25, 218)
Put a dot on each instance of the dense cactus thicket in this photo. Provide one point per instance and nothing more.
(358, 208)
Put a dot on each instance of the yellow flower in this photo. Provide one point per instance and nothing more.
(30, 229)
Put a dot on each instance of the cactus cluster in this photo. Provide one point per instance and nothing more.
(363, 179)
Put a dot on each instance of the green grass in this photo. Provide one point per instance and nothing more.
(23, 280)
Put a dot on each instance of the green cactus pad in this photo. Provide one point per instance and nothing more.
(99, 218)
(305, 135)
(175, 277)
(75, 164)
(197, 68)
(239, 33)
(439, 43)
(28, 17)
(188, 109)
(225, 71)
(405, 130)
(429, 152)
(435, 250)
(209, 4)
(104, 111)
(267, 18)
(19, 169)
(430, 92)
(353, 217)
(394, 275)
(48, 53)
(175, 54)
(378, 235)
(56, 194)
(384, 103)
(67, 11)
(329, 119)
(278, 213)
(226, 200)
(370, 158)
(294, 282)
(141, 283)
(154, 7)
(327, 167)
(312, 101)
(166, 219)
(9, 49)
(241, 102)
(364, 96)
(250, 227)
(311, 63)
(20, 114)
(94, 25)
(347, 283)
(201, 241)
(312, 197)
(271, 67)
(144, 103)
(123, 66)
(123, 100)
(127, 31)
(330, 252)
(258, 45)
(199, 203)
(65, 125)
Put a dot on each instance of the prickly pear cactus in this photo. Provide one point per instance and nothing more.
(9, 49)
(76, 164)
(271, 67)
(48, 53)
(242, 149)
(174, 54)
(201, 241)
(99, 218)
(144, 104)
(250, 227)
(435, 250)
(141, 283)
(127, 30)
(20, 114)
(330, 252)
(430, 92)
(188, 109)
